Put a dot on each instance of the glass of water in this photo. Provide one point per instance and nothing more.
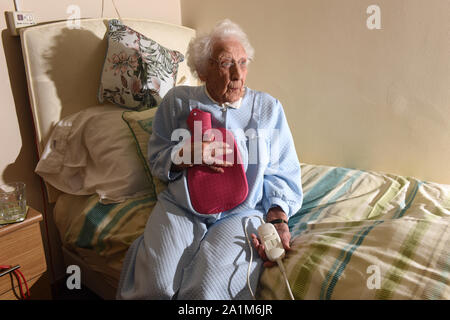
(13, 203)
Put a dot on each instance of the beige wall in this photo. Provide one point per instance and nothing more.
(18, 156)
(354, 97)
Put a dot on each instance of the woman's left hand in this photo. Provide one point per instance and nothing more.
(283, 232)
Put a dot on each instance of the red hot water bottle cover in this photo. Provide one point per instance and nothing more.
(211, 192)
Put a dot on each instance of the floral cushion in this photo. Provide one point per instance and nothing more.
(140, 124)
(137, 71)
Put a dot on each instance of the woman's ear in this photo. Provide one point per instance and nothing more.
(201, 77)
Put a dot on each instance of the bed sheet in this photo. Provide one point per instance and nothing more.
(366, 235)
(100, 234)
(358, 235)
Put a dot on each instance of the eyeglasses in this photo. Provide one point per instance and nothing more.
(227, 64)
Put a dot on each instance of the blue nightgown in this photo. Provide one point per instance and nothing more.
(187, 255)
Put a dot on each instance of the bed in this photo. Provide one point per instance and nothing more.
(359, 234)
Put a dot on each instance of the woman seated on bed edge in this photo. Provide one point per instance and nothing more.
(185, 254)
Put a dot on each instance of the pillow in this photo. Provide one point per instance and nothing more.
(140, 124)
(92, 152)
(137, 71)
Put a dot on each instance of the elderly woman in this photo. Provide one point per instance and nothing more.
(185, 254)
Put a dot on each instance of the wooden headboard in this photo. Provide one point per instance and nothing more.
(63, 66)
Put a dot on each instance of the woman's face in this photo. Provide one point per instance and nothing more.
(227, 71)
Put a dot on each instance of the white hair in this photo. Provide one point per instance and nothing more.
(200, 48)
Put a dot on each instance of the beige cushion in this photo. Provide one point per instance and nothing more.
(91, 152)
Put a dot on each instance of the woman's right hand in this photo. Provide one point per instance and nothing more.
(211, 152)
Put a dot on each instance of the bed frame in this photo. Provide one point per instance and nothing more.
(92, 279)
(63, 68)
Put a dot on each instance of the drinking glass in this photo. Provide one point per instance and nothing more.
(13, 203)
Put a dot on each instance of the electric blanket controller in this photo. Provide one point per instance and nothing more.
(273, 247)
(271, 240)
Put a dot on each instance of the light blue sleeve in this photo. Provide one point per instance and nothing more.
(282, 177)
(160, 144)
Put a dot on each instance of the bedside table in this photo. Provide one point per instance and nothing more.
(21, 244)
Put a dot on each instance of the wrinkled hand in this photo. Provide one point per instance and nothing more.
(283, 232)
(211, 152)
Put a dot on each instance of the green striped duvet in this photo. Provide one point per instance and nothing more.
(366, 235)
(358, 235)
(107, 229)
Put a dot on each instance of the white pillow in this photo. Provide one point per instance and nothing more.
(93, 151)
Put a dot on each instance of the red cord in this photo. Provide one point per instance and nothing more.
(16, 273)
(20, 284)
(25, 283)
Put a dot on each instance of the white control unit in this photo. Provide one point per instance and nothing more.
(19, 19)
(271, 240)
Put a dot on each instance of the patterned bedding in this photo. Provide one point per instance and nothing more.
(366, 235)
(358, 235)
(101, 233)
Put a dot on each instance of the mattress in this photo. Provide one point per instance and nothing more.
(358, 235)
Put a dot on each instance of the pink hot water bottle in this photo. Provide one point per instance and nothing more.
(211, 192)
